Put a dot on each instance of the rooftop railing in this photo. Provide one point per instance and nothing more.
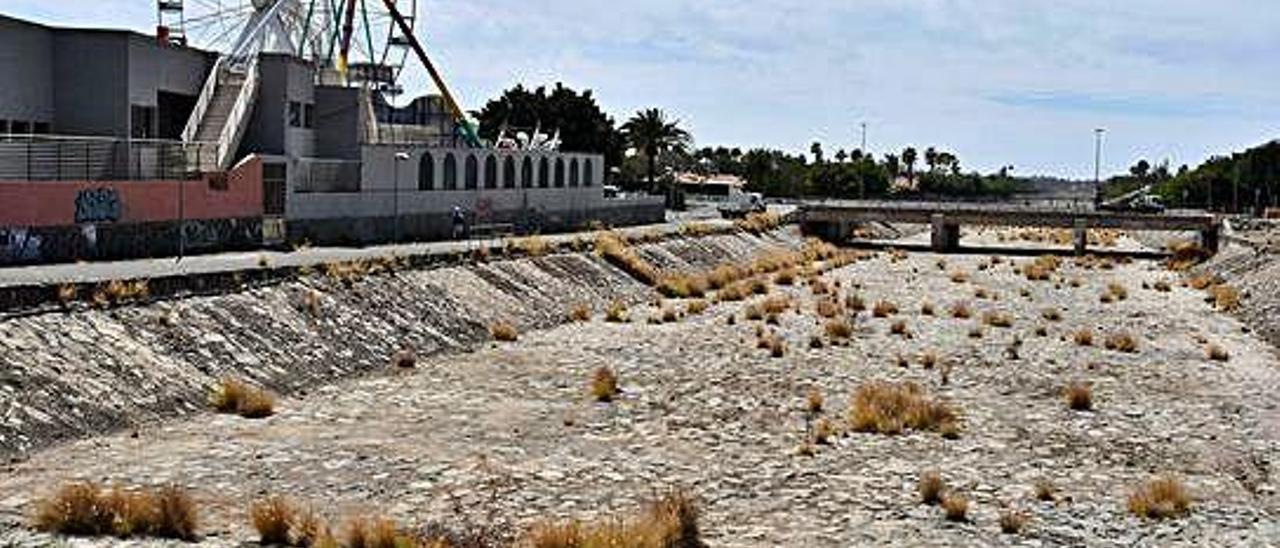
(64, 158)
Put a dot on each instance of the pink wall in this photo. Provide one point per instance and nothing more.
(53, 203)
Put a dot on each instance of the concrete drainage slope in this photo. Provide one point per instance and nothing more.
(85, 372)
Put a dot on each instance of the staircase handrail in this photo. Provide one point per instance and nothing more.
(202, 104)
(236, 122)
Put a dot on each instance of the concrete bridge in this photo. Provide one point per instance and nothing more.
(836, 220)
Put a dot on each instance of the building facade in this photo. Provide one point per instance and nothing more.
(114, 144)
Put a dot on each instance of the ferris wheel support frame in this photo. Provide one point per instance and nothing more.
(469, 132)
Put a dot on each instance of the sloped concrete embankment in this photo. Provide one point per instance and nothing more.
(85, 372)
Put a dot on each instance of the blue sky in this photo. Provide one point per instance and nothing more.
(1017, 82)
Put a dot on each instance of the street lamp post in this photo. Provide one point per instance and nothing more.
(395, 195)
(864, 138)
(1097, 166)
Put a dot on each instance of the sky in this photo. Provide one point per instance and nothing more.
(1022, 83)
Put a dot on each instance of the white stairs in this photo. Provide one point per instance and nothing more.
(222, 113)
(210, 127)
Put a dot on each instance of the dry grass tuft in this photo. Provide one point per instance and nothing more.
(1122, 341)
(533, 246)
(785, 277)
(233, 396)
(1225, 297)
(827, 308)
(1083, 337)
(1160, 498)
(1162, 286)
(891, 408)
(1117, 291)
(955, 507)
(580, 313)
(899, 327)
(814, 402)
(404, 358)
(1045, 491)
(1013, 521)
(997, 319)
(683, 286)
(884, 309)
(503, 331)
(961, 311)
(1051, 314)
(1186, 254)
(604, 384)
(929, 359)
(838, 328)
(1217, 353)
(696, 307)
(855, 303)
(976, 332)
(931, 487)
(926, 309)
(1079, 396)
(616, 251)
(273, 518)
(67, 293)
(776, 304)
(84, 509)
(616, 312)
(959, 276)
(669, 522)
(759, 223)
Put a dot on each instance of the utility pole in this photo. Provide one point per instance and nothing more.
(1097, 166)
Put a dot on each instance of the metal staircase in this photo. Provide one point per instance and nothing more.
(222, 112)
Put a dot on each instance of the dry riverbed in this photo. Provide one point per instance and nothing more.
(508, 434)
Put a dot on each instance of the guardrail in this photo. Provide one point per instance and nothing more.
(62, 158)
(202, 104)
(236, 124)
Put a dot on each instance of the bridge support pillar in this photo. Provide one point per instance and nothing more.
(1080, 236)
(1209, 239)
(945, 236)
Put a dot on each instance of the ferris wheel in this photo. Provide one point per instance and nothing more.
(359, 38)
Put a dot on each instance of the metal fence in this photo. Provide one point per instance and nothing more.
(59, 158)
(315, 175)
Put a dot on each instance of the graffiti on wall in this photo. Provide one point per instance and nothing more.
(18, 245)
(95, 205)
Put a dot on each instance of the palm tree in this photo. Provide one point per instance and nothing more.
(650, 132)
(909, 158)
(816, 150)
(931, 159)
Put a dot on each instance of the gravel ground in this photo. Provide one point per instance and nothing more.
(506, 434)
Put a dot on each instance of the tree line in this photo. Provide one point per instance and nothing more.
(1239, 182)
(647, 150)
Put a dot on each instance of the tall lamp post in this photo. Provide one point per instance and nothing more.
(864, 138)
(1097, 166)
(395, 194)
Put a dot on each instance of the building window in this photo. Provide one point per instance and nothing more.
(450, 172)
(491, 172)
(472, 175)
(295, 114)
(4, 127)
(588, 173)
(573, 172)
(426, 172)
(309, 116)
(143, 122)
(273, 188)
(559, 172)
(20, 128)
(526, 173)
(40, 128)
(544, 173)
(509, 172)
